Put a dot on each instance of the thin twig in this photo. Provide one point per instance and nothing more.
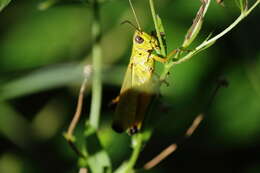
(206, 44)
(69, 134)
(173, 147)
(165, 153)
(215, 38)
(75, 149)
(76, 117)
(195, 124)
(83, 170)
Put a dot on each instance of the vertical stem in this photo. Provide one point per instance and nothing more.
(137, 146)
(97, 65)
(163, 50)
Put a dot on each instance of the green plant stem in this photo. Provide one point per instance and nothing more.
(237, 21)
(206, 44)
(97, 68)
(137, 146)
(253, 6)
(163, 49)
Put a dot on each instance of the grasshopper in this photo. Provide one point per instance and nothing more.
(138, 87)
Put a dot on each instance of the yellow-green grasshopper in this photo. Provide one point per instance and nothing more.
(138, 86)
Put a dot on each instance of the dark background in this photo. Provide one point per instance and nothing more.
(40, 53)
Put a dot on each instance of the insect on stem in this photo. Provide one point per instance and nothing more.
(138, 88)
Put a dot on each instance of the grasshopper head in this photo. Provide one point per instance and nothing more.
(145, 41)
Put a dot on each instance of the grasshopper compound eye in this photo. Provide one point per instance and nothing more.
(139, 39)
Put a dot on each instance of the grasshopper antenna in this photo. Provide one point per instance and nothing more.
(137, 21)
(130, 23)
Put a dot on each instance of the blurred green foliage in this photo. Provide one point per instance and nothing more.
(41, 56)
(3, 4)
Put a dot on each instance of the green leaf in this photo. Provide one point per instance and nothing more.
(196, 25)
(161, 30)
(3, 4)
(237, 107)
(14, 126)
(38, 41)
(242, 4)
(98, 159)
(42, 79)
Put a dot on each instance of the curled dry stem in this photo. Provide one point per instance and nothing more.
(195, 124)
(69, 134)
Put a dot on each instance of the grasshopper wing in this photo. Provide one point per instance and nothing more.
(127, 105)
